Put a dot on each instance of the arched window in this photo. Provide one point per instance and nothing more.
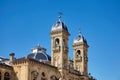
(43, 76)
(0, 76)
(78, 54)
(6, 76)
(57, 42)
(34, 75)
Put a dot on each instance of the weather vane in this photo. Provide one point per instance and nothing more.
(60, 15)
(79, 30)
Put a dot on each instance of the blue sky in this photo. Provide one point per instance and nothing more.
(25, 23)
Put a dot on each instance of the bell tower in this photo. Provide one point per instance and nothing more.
(80, 47)
(59, 44)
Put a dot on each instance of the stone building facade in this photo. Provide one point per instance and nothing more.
(38, 65)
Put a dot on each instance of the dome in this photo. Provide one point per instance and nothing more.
(40, 56)
(39, 53)
(80, 39)
(59, 25)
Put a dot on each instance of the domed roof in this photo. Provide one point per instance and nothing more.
(39, 53)
(80, 39)
(40, 56)
(59, 25)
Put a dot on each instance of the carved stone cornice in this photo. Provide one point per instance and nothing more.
(59, 31)
(78, 59)
(79, 44)
(20, 61)
(27, 60)
(56, 49)
(3, 65)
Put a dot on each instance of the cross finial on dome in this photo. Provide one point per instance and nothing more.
(60, 15)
